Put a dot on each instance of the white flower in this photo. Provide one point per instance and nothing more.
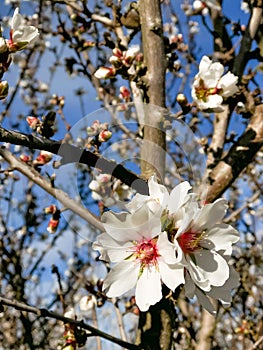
(205, 244)
(159, 198)
(244, 6)
(202, 243)
(87, 303)
(21, 35)
(210, 87)
(144, 256)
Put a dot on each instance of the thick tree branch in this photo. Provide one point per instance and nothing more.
(73, 154)
(50, 314)
(238, 157)
(153, 147)
(251, 30)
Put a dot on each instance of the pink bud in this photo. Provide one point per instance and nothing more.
(51, 209)
(43, 158)
(52, 226)
(104, 73)
(125, 93)
(24, 158)
(104, 135)
(117, 52)
(33, 122)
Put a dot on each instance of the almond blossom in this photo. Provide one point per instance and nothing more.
(20, 34)
(205, 243)
(145, 258)
(202, 243)
(210, 86)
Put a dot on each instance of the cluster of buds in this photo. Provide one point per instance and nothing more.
(109, 191)
(57, 100)
(43, 158)
(43, 127)
(54, 221)
(120, 60)
(21, 35)
(98, 133)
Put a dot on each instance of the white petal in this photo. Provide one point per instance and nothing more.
(228, 84)
(212, 266)
(210, 214)
(158, 192)
(16, 20)
(121, 278)
(171, 275)
(149, 289)
(116, 251)
(198, 275)
(222, 237)
(166, 249)
(178, 196)
(204, 65)
(125, 227)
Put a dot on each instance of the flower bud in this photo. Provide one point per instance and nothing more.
(33, 122)
(3, 45)
(117, 52)
(130, 55)
(182, 100)
(43, 158)
(105, 73)
(3, 89)
(125, 93)
(52, 225)
(51, 209)
(116, 61)
(104, 135)
(25, 158)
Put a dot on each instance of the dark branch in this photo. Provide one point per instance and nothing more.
(73, 154)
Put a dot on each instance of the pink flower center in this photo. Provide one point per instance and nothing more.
(146, 252)
(189, 241)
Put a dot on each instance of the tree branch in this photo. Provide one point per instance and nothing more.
(238, 157)
(50, 314)
(60, 195)
(73, 154)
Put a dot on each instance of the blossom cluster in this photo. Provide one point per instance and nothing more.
(21, 35)
(171, 239)
(120, 60)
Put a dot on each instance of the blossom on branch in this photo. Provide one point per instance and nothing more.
(145, 258)
(210, 86)
(169, 238)
(20, 34)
